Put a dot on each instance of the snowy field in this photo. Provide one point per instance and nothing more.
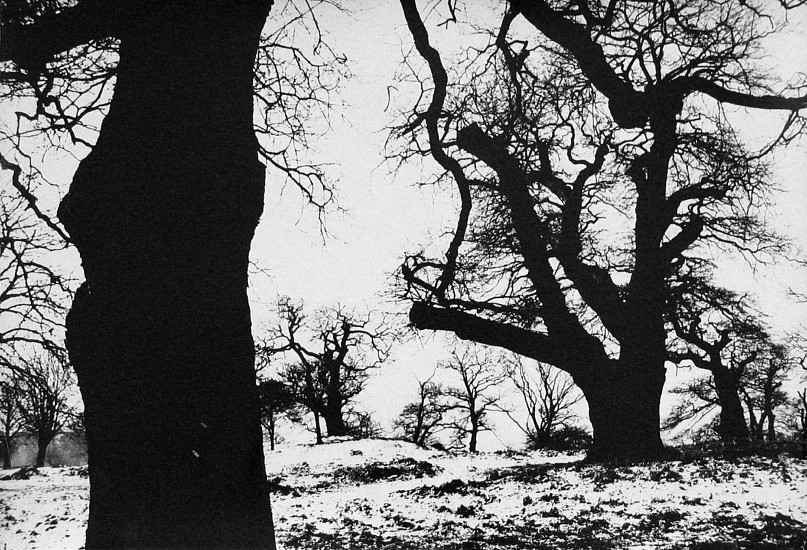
(391, 494)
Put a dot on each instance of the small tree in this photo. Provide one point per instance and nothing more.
(548, 398)
(333, 357)
(472, 402)
(276, 400)
(46, 383)
(421, 419)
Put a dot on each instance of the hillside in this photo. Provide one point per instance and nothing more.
(391, 494)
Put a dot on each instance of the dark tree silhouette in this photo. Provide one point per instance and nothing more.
(763, 392)
(715, 331)
(162, 211)
(332, 357)
(46, 382)
(11, 421)
(420, 420)
(549, 396)
(569, 112)
(481, 376)
(276, 400)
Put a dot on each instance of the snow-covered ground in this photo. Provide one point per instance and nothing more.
(391, 494)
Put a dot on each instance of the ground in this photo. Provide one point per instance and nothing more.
(394, 495)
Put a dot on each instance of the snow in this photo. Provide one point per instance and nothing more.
(392, 494)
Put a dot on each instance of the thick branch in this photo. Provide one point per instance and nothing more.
(33, 45)
(432, 116)
(492, 333)
(628, 107)
(769, 102)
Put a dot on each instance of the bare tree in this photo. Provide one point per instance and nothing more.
(11, 420)
(763, 391)
(549, 396)
(332, 357)
(715, 330)
(46, 385)
(568, 112)
(420, 420)
(276, 400)
(482, 375)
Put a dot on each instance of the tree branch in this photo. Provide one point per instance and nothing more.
(32, 46)
(484, 331)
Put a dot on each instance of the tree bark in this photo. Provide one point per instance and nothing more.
(474, 433)
(334, 422)
(162, 212)
(732, 427)
(623, 407)
(42, 443)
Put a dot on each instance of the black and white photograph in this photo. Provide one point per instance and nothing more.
(403, 274)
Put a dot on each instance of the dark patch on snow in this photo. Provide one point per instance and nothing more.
(26, 472)
(400, 468)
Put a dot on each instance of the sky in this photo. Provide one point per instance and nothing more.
(387, 214)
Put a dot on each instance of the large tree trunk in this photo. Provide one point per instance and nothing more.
(623, 408)
(163, 211)
(334, 422)
(732, 427)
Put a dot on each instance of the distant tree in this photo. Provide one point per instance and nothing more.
(276, 400)
(481, 375)
(591, 150)
(46, 385)
(421, 419)
(548, 395)
(714, 330)
(362, 425)
(760, 384)
(11, 421)
(763, 391)
(331, 359)
(798, 419)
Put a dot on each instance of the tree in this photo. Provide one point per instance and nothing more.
(548, 399)
(333, 357)
(472, 402)
(162, 211)
(420, 420)
(715, 332)
(762, 390)
(571, 111)
(759, 384)
(276, 400)
(11, 421)
(46, 383)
